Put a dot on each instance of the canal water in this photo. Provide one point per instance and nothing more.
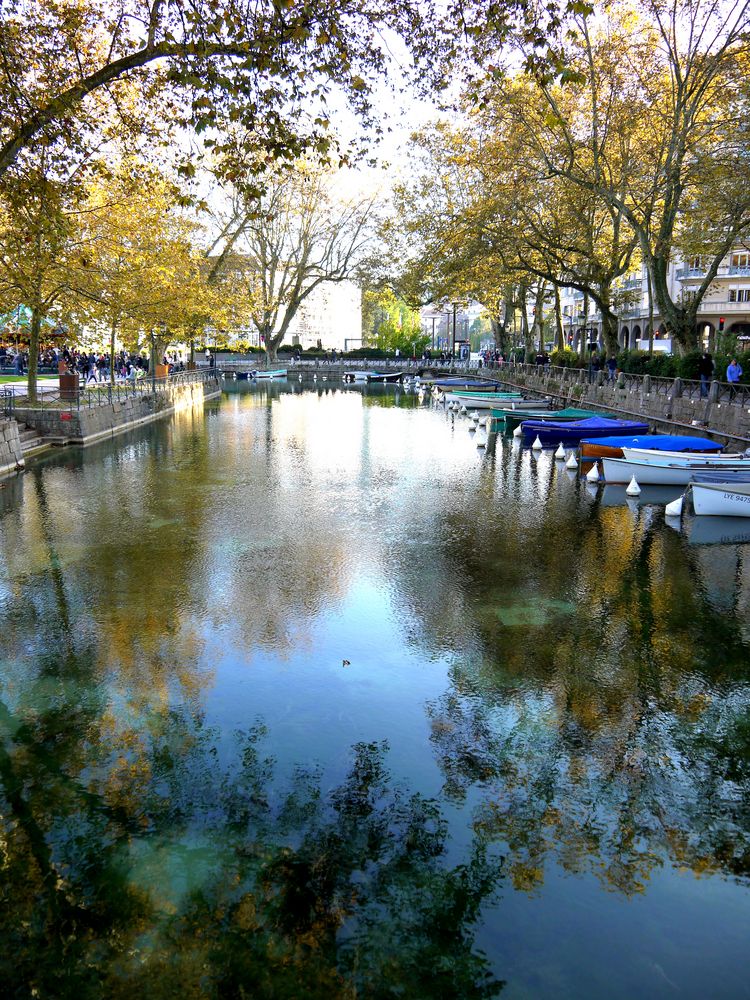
(306, 695)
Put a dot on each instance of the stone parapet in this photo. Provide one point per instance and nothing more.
(88, 425)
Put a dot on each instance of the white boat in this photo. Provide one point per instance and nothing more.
(359, 376)
(721, 499)
(651, 455)
(664, 473)
(273, 373)
(498, 402)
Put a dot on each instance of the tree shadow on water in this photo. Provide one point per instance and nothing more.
(136, 863)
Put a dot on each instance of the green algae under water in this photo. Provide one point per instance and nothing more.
(307, 696)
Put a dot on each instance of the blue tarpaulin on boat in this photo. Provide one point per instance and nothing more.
(660, 442)
(572, 431)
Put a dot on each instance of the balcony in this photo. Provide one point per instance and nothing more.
(683, 273)
(739, 270)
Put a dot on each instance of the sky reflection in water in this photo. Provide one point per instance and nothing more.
(336, 592)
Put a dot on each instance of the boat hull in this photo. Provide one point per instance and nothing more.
(513, 420)
(484, 402)
(571, 433)
(620, 470)
(649, 456)
(277, 373)
(613, 447)
(721, 499)
(385, 377)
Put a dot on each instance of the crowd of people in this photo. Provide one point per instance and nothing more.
(91, 366)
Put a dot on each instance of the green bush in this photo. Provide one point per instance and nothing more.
(566, 359)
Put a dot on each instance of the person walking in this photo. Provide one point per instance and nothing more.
(706, 372)
(611, 369)
(734, 374)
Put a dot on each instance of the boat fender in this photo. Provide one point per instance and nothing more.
(537, 445)
(560, 453)
(593, 474)
(472, 429)
(488, 422)
(517, 432)
(481, 444)
(572, 462)
(633, 489)
(463, 409)
(674, 509)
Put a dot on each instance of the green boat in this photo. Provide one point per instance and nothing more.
(512, 418)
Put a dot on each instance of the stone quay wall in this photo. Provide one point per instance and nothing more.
(11, 453)
(88, 425)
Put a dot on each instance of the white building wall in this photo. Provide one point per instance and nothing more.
(331, 314)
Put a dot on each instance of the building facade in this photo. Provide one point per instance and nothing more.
(725, 308)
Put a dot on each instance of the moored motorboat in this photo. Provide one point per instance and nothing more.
(612, 447)
(687, 457)
(270, 373)
(666, 472)
(357, 376)
(515, 417)
(730, 499)
(484, 402)
(456, 382)
(384, 376)
(572, 432)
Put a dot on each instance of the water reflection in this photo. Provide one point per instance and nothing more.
(562, 681)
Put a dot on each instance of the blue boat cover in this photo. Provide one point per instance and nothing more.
(660, 442)
(589, 424)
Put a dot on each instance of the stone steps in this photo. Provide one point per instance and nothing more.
(31, 443)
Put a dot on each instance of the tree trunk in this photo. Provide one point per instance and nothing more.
(112, 334)
(537, 329)
(559, 337)
(609, 332)
(37, 316)
(680, 321)
(650, 290)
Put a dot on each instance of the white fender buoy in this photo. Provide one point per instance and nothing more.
(472, 428)
(593, 474)
(463, 409)
(560, 453)
(537, 445)
(633, 489)
(572, 462)
(482, 443)
(674, 509)
(315, 378)
(488, 422)
(517, 432)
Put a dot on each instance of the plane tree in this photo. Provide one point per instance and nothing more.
(650, 116)
(285, 241)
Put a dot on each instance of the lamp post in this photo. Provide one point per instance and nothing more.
(152, 361)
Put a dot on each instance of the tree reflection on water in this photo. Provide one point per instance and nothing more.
(136, 863)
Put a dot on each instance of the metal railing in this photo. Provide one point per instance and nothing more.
(94, 394)
(563, 378)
